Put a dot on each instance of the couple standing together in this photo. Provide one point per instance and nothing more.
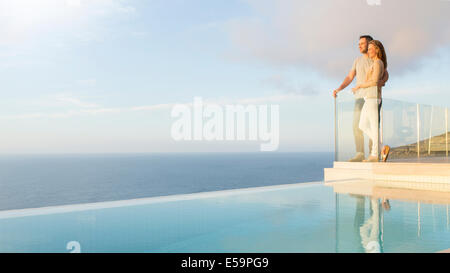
(371, 76)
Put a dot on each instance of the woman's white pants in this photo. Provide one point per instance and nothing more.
(368, 122)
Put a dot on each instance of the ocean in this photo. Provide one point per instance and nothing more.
(32, 181)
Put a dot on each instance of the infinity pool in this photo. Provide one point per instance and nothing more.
(306, 217)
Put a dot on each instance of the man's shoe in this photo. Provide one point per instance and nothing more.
(359, 157)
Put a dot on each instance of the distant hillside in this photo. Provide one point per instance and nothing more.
(437, 148)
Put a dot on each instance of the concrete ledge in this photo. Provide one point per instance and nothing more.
(405, 191)
(344, 174)
(438, 173)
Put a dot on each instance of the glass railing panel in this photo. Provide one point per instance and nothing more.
(399, 128)
(344, 141)
(413, 131)
(425, 117)
(436, 133)
(447, 132)
(420, 134)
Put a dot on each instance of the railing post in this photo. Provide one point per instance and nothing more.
(381, 126)
(418, 131)
(431, 126)
(446, 132)
(379, 140)
(335, 131)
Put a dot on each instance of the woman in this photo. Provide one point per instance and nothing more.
(372, 96)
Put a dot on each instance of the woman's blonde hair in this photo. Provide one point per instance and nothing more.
(379, 49)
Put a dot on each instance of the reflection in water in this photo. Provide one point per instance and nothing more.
(370, 230)
(392, 221)
(359, 218)
(418, 219)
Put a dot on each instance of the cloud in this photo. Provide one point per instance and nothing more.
(87, 82)
(77, 102)
(63, 100)
(284, 85)
(82, 111)
(23, 20)
(270, 99)
(73, 3)
(91, 109)
(324, 34)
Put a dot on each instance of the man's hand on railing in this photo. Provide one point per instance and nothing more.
(335, 92)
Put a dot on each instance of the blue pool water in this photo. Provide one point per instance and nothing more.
(306, 217)
(31, 181)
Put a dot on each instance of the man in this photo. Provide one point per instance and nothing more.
(359, 69)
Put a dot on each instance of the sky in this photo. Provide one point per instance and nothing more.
(101, 76)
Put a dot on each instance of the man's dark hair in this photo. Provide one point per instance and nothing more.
(368, 37)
